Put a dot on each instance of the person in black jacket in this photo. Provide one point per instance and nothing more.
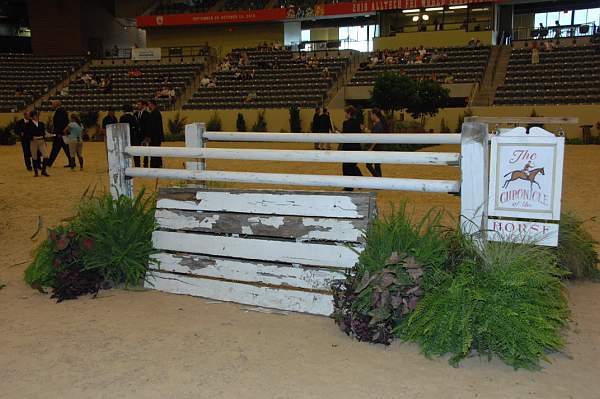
(20, 129)
(315, 126)
(134, 129)
(325, 127)
(351, 125)
(379, 126)
(154, 133)
(60, 120)
(141, 115)
(109, 119)
(37, 132)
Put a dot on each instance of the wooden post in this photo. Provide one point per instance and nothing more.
(474, 178)
(194, 138)
(117, 139)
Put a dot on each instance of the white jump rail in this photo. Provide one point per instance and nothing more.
(472, 159)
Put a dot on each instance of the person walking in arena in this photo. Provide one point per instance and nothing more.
(141, 116)
(379, 126)
(20, 129)
(135, 136)
(315, 126)
(351, 125)
(154, 134)
(37, 132)
(60, 120)
(73, 131)
(325, 126)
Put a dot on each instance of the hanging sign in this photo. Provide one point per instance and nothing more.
(526, 171)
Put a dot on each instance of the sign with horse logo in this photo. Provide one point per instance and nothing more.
(526, 178)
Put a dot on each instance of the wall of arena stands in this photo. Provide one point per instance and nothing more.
(223, 38)
(278, 119)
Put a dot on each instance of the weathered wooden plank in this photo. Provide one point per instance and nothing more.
(117, 138)
(268, 297)
(268, 202)
(292, 227)
(339, 256)
(254, 272)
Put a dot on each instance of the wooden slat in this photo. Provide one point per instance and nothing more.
(268, 202)
(292, 227)
(339, 256)
(268, 297)
(248, 271)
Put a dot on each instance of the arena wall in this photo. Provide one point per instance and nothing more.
(222, 38)
(431, 39)
(278, 119)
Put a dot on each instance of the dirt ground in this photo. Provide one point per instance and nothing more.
(131, 344)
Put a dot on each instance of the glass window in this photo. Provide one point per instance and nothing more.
(593, 15)
(565, 18)
(580, 17)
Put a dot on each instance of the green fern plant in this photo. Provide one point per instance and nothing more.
(214, 123)
(121, 233)
(261, 123)
(295, 121)
(503, 300)
(576, 249)
(176, 125)
(240, 123)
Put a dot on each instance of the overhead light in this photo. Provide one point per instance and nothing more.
(457, 7)
(479, 9)
(412, 10)
(425, 17)
(415, 18)
(435, 9)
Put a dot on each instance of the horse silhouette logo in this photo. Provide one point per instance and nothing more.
(527, 173)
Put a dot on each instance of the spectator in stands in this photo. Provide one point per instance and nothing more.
(449, 79)
(205, 81)
(379, 126)
(351, 125)
(315, 126)
(535, 54)
(325, 126)
(165, 92)
(252, 74)
(109, 119)
(154, 134)
(106, 84)
(212, 84)
(64, 92)
(20, 130)
(75, 141)
(557, 29)
(87, 78)
(37, 132)
(60, 120)
(134, 73)
(251, 97)
(436, 24)
(134, 129)
(19, 91)
(325, 73)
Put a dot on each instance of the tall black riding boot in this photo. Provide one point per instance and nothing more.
(80, 163)
(36, 166)
(44, 160)
(72, 162)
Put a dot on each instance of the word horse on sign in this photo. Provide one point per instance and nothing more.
(525, 183)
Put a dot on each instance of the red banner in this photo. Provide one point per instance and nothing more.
(281, 14)
(208, 18)
(362, 7)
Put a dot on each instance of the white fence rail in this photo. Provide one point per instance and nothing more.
(472, 159)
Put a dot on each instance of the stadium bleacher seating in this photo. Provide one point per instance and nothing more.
(290, 82)
(564, 75)
(126, 89)
(34, 76)
(464, 64)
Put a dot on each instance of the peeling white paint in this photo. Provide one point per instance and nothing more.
(273, 221)
(172, 220)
